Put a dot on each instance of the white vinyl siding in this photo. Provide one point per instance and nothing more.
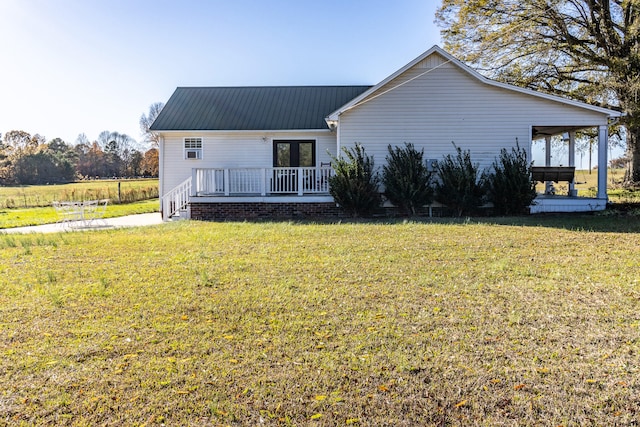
(233, 150)
(446, 105)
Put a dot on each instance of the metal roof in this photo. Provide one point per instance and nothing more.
(253, 108)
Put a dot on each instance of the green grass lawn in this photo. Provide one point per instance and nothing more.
(522, 321)
(47, 215)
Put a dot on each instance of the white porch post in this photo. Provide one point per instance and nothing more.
(263, 182)
(300, 178)
(603, 144)
(548, 185)
(164, 210)
(572, 160)
(226, 182)
(194, 182)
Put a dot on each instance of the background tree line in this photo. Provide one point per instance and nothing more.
(30, 159)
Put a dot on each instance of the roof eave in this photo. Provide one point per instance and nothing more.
(333, 117)
(257, 131)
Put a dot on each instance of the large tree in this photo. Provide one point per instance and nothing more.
(584, 49)
(150, 163)
(147, 120)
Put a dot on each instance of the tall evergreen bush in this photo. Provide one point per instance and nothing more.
(406, 179)
(509, 186)
(354, 186)
(460, 187)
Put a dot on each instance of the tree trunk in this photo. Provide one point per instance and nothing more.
(632, 174)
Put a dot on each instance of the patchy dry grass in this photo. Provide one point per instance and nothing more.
(535, 321)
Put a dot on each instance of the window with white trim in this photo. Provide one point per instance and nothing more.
(193, 148)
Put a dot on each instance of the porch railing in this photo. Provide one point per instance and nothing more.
(262, 181)
(176, 200)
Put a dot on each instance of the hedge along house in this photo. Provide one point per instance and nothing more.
(250, 152)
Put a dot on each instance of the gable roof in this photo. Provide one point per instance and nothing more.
(450, 59)
(252, 108)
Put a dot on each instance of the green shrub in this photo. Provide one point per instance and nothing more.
(510, 187)
(460, 187)
(406, 179)
(354, 186)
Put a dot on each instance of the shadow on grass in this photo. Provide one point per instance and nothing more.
(615, 219)
(606, 222)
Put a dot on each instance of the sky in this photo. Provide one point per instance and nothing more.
(85, 66)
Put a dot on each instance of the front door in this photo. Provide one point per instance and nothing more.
(290, 154)
(293, 154)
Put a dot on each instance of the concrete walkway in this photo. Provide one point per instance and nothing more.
(139, 220)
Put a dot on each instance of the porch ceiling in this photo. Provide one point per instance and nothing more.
(543, 131)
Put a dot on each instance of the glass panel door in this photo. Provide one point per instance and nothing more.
(294, 154)
(282, 155)
(305, 154)
(291, 154)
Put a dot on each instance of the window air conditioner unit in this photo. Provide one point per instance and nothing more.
(193, 154)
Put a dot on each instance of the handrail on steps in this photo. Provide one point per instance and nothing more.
(176, 199)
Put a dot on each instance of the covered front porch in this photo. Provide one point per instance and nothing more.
(550, 199)
(275, 185)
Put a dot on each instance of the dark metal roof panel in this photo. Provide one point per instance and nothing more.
(253, 108)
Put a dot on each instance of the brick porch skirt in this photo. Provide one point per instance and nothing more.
(251, 211)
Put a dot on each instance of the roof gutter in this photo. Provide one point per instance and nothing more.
(253, 131)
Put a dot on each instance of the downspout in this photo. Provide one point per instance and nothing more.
(338, 143)
(529, 147)
(161, 174)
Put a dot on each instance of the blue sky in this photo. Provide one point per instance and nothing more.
(85, 66)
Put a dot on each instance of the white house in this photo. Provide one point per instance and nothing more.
(266, 151)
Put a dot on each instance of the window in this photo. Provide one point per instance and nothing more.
(193, 148)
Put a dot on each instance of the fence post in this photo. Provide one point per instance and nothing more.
(119, 194)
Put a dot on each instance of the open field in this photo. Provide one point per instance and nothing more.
(32, 205)
(30, 196)
(525, 321)
(587, 183)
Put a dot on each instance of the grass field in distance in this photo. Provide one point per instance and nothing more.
(30, 196)
(32, 205)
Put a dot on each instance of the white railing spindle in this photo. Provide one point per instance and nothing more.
(262, 181)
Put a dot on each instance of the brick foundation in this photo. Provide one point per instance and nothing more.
(257, 211)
